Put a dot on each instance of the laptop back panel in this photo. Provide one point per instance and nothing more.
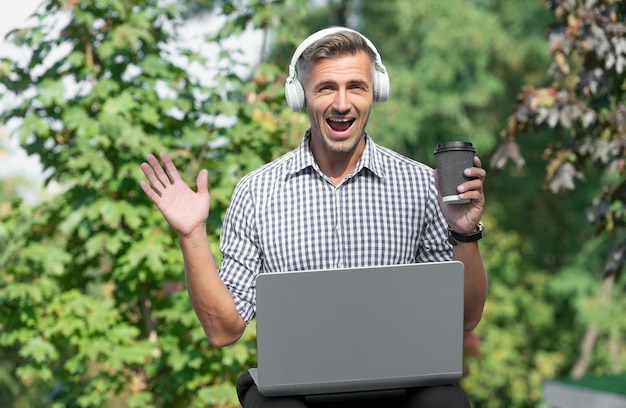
(363, 329)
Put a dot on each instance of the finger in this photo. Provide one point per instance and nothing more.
(171, 169)
(472, 185)
(472, 190)
(148, 171)
(150, 192)
(474, 196)
(475, 173)
(477, 162)
(159, 179)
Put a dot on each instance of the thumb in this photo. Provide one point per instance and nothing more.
(202, 182)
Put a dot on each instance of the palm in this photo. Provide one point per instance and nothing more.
(183, 208)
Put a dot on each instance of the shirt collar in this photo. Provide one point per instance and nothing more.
(370, 159)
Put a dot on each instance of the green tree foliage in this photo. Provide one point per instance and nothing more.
(500, 46)
(584, 109)
(585, 106)
(453, 65)
(92, 298)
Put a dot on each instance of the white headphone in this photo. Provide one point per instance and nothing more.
(294, 92)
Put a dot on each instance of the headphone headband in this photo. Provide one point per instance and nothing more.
(294, 92)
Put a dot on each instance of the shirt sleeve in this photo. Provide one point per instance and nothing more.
(241, 254)
(434, 245)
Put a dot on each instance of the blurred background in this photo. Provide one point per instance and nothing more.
(93, 306)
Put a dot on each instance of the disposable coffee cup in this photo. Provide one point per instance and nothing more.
(452, 159)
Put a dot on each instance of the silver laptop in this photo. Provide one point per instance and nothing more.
(332, 332)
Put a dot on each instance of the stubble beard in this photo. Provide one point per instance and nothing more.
(342, 148)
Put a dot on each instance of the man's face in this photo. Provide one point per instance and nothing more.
(339, 98)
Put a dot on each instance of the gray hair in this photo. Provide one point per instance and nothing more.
(340, 44)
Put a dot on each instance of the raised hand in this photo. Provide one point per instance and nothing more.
(184, 209)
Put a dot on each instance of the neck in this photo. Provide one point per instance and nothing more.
(336, 165)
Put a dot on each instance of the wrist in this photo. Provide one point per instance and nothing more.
(455, 237)
(198, 233)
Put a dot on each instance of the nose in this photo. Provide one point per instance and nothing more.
(342, 102)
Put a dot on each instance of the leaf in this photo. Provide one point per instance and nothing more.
(553, 117)
(39, 351)
(32, 128)
(505, 152)
(149, 115)
(23, 293)
(140, 399)
(52, 92)
(118, 106)
(56, 259)
(5, 69)
(111, 213)
(123, 333)
(564, 178)
(74, 117)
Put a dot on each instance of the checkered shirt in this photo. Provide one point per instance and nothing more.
(288, 216)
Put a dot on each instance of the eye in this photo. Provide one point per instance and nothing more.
(359, 86)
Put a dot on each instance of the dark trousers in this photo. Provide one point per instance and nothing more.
(449, 396)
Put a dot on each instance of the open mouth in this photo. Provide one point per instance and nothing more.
(339, 125)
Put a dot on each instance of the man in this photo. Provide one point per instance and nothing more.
(338, 200)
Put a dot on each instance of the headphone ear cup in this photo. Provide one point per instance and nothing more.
(381, 86)
(294, 94)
